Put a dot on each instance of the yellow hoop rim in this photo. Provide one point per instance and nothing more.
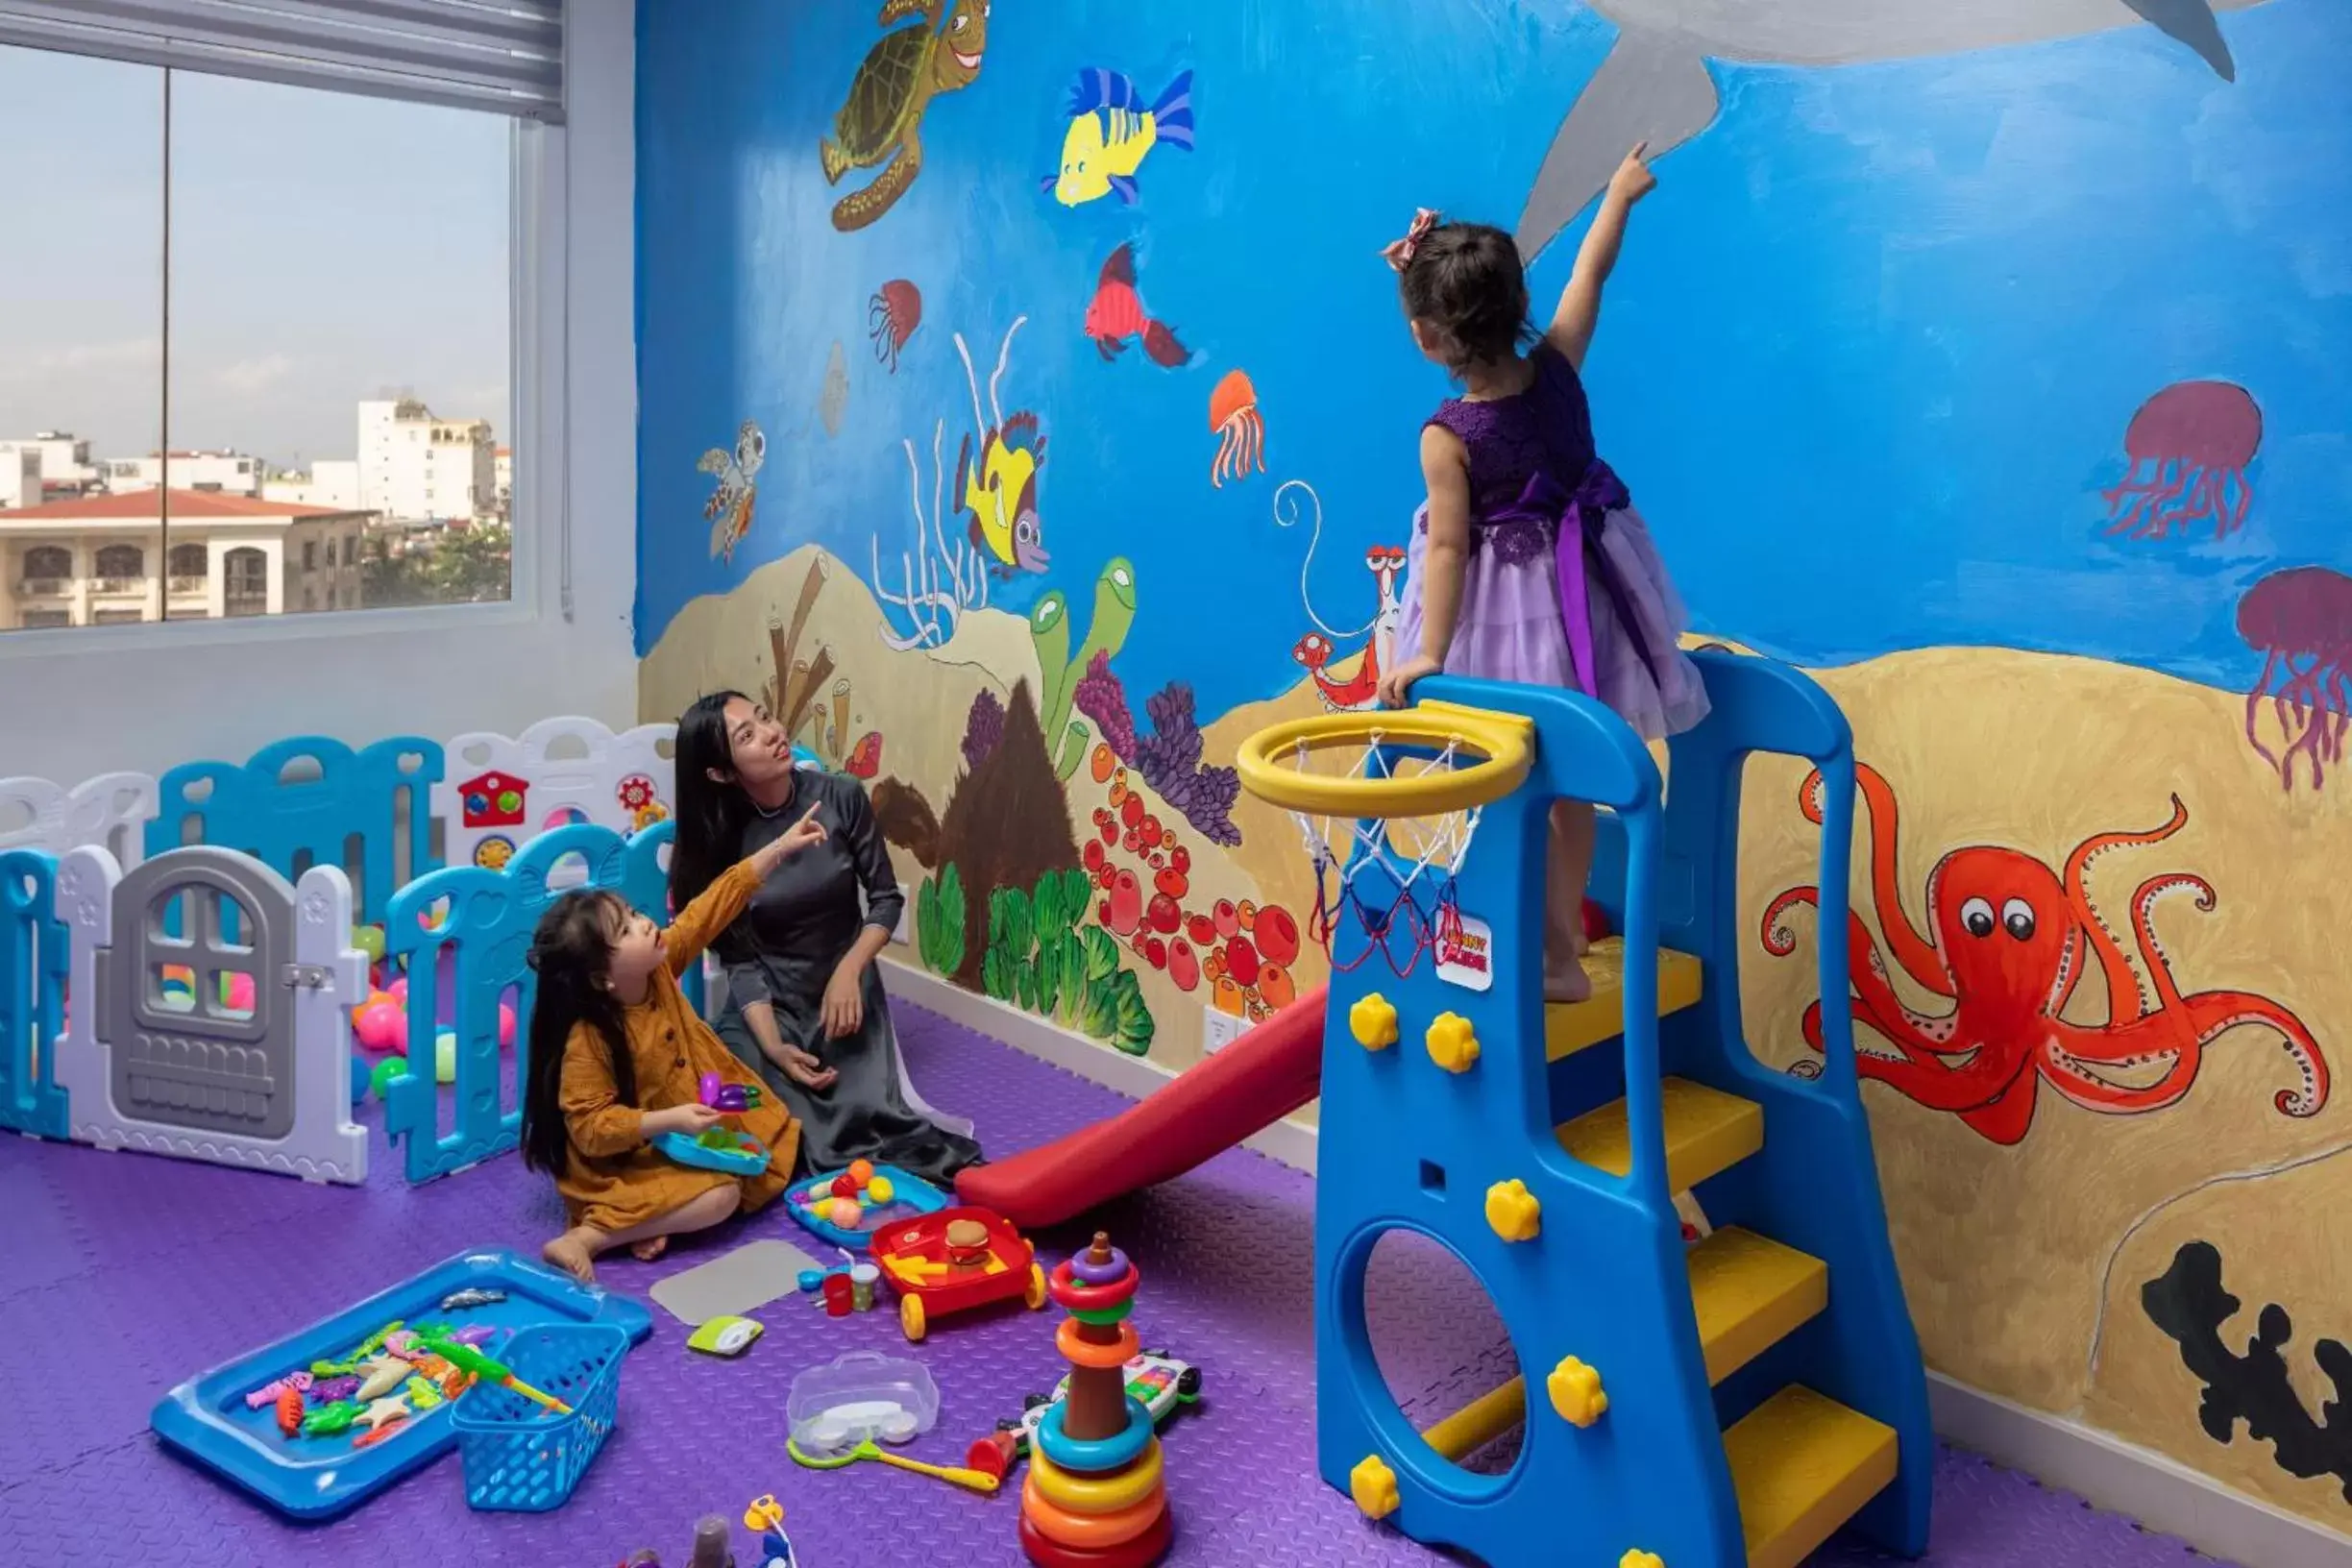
(1506, 740)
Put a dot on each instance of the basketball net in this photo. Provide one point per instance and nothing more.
(1395, 876)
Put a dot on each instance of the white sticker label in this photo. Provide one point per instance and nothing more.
(1465, 955)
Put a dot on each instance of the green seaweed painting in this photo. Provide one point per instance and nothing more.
(1049, 629)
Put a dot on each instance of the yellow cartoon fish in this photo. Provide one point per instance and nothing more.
(1000, 492)
(1110, 133)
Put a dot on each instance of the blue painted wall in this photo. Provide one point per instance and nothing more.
(1868, 364)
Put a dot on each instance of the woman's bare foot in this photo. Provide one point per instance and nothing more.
(571, 1252)
(1569, 985)
(650, 1248)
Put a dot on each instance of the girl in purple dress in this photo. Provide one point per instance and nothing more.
(1528, 563)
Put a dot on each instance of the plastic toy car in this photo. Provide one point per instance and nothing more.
(953, 1261)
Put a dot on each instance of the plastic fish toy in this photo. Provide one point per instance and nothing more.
(269, 1392)
(330, 1419)
(459, 1301)
(290, 1412)
(421, 1394)
(384, 1374)
(473, 1333)
(1112, 130)
(327, 1390)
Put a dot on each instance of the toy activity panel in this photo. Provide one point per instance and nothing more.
(559, 773)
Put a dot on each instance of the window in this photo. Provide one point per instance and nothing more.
(309, 554)
(49, 565)
(41, 620)
(245, 580)
(188, 561)
(164, 153)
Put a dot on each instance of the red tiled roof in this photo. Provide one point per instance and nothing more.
(192, 504)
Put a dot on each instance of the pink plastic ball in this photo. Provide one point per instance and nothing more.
(844, 1212)
(380, 1027)
(506, 1027)
(397, 991)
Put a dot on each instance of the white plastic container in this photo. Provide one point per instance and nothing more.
(864, 1394)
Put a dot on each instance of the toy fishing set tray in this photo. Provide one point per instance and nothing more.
(487, 1298)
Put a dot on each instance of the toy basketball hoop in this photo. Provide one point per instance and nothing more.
(1388, 802)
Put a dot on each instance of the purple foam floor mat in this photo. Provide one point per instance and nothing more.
(121, 1275)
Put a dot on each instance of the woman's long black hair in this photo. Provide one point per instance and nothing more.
(711, 815)
(570, 952)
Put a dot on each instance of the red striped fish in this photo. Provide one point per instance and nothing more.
(1117, 314)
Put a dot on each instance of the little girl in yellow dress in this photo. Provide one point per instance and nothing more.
(617, 1058)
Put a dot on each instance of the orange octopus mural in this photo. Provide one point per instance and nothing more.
(2009, 943)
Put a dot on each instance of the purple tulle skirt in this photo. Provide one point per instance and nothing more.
(1511, 627)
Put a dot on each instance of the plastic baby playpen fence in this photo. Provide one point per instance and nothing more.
(178, 960)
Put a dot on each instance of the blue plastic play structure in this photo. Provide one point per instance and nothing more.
(1711, 1406)
(482, 920)
(33, 965)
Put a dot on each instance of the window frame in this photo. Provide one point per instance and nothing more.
(538, 521)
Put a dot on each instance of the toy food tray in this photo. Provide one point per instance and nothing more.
(748, 1159)
(909, 1196)
(207, 1419)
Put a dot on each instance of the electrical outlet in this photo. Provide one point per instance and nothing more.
(1219, 1030)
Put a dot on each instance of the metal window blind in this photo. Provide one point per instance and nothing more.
(503, 55)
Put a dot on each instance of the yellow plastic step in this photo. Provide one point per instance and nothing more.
(1802, 1465)
(1750, 1293)
(1706, 1131)
(1569, 1027)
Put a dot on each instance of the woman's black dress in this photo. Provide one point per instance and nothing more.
(783, 951)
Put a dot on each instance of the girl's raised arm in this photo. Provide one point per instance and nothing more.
(699, 924)
(1579, 308)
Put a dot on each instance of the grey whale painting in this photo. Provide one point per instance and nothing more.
(1655, 85)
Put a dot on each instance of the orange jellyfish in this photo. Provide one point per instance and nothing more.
(1233, 413)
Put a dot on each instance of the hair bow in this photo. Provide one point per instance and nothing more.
(1401, 254)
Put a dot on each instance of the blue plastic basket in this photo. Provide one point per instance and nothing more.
(520, 1455)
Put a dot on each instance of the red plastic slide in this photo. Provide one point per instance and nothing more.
(1261, 1077)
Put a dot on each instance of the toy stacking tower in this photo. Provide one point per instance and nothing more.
(1094, 1498)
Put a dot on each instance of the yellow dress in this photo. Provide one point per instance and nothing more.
(616, 1178)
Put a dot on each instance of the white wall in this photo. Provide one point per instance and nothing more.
(78, 703)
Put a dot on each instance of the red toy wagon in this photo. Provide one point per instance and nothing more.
(955, 1260)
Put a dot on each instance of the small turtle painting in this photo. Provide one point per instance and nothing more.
(882, 117)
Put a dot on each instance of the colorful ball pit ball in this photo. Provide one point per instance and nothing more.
(381, 1025)
(879, 1189)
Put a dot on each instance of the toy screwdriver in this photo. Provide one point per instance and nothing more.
(474, 1363)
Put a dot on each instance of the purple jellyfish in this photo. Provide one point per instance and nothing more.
(2188, 447)
(2301, 619)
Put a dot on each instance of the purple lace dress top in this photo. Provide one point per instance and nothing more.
(1563, 586)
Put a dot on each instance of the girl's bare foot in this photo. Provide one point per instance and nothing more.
(650, 1248)
(1568, 985)
(571, 1252)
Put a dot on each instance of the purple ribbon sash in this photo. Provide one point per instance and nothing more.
(1579, 518)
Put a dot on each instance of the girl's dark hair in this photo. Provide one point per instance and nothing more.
(570, 952)
(1466, 280)
(711, 815)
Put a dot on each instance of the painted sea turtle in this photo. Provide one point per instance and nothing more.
(902, 73)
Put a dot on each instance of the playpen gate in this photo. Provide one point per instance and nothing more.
(266, 1086)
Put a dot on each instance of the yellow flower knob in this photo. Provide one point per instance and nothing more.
(1513, 1212)
(1641, 1560)
(1577, 1394)
(1452, 1045)
(1373, 1022)
(1374, 1487)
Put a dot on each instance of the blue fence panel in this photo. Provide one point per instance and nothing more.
(290, 824)
(33, 966)
(482, 921)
